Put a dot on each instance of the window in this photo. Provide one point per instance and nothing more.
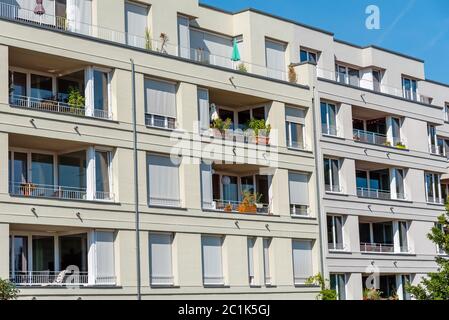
(446, 112)
(102, 175)
(101, 94)
(410, 89)
(396, 130)
(275, 59)
(406, 279)
(136, 25)
(299, 193)
(163, 181)
(403, 236)
(294, 123)
(302, 261)
(212, 260)
(376, 237)
(348, 75)
(266, 261)
(308, 56)
(18, 84)
(377, 80)
(433, 188)
(203, 109)
(328, 119)
(105, 261)
(332, 175)
(160, 100)
(433, 139)
(335, 233)
(399, 183)
(338, 284)
(184, 36)
(443, 147)
(251, 273)
(161, 270)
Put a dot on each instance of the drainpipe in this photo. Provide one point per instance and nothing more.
(136, 177)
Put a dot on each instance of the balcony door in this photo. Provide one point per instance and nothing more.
(136, 25)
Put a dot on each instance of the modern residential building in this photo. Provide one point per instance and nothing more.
(347, 179)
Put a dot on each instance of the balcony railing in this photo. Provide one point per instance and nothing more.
(53, 106)
(329, 130)
(153, 120)
(238, 136)
(379, 194)
(237, 207)
(375, 86)
(377, 247)
(58, 278)
(57, 192)
(370, 137)
(164, 202)
(163, 46)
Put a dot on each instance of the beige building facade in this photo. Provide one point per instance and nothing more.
(346, 181)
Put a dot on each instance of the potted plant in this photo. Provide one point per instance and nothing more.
(242, 67)
(400, 145)
(76, 99)
(258, 197)
(261, 130)
(228, 208)
(221, 126)
(371, 294)
(248, 204)
(292, 76)
(27, 188)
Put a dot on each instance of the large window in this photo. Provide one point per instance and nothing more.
(329, 119)
(160, 101)
(403, 236)
(212, 260)
(161, 268)
(294, 124)
(433, 188)
(338, 284)
(299, 193)
(347, 75)
(163, 181)
(136, 25)
(275, 59)
(410, 89)
(332, 175)
(302, 261)
(335, 233)
(101, 94)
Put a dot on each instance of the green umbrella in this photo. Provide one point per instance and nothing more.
(235, 51)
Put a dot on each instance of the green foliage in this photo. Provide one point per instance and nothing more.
(242, 67)
(75, 98)
(222, 125)
(436, 285)
(326, 293)
(371, 294)
(259, 125)
(400, 145)
(8, 290)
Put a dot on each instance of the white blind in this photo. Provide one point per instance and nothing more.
(203, 108)
(212, 260)
(136, 20)
(218, 48)
(160, 98)
(266, 260)
(298, 188)
(275, 56)
(302, 260)
(294, 115)
(104, 250)
(161, 259)
(206, 185)
(183, 37)
(163, 181)
(251, 242)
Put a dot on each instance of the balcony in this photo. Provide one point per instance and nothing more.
(54, 84)
(202, 54)
(63, 171)
(384, 236)
(377, 247)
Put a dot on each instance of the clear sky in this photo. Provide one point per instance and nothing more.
(419, 28)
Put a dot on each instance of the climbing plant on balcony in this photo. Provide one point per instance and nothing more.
(8, 290)
(436, 285)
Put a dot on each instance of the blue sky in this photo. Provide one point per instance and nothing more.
(419, 28)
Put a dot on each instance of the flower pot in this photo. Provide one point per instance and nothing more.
(262, 140)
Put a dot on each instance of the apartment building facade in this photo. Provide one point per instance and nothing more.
(348, 182)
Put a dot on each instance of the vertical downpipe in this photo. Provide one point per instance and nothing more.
(136, 177)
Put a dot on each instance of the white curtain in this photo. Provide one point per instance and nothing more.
(136, 24)
(160, 98)
(275, 59)
(163, 181)
(251, 242)
(203, 106)
(299, 188)
(161, 259)
(104, 250)
(206, 185)
(294, 115)
(184, 37)
(212, 259)
(302, 261)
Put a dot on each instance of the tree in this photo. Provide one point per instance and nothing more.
(8, 290)
(436, 285)
(326, 293)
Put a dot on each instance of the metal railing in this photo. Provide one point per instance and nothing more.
(162, 281)
(299, 210)
(152, 120)
(377, 194)
(239, 135)
(377, 247)
(235, 207)
(201, 55)
(54, 106)
(164, 202)
(375, 86)
(370, 137)
(57, 278)
(53, 191)
(435, 200)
